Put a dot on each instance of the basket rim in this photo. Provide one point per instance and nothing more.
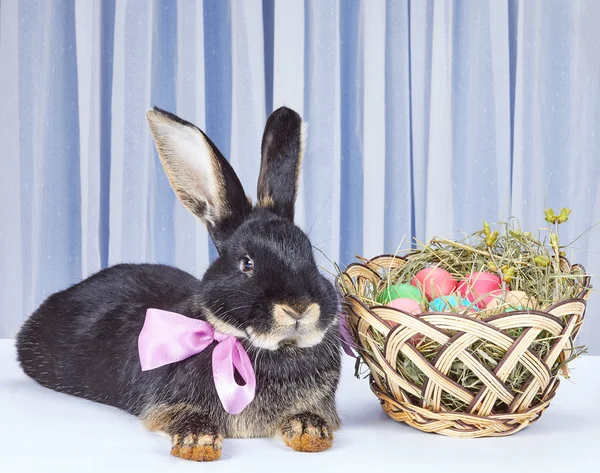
(420, 315)
(580, 298)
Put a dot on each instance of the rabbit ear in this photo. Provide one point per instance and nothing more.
(199, 174)
(282, 152)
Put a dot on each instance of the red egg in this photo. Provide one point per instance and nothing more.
(480, 286)
(416, 339)
(410, 306)
(434, 282)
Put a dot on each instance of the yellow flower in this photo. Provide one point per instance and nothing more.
(486, 228)
(509, 274)
(541, 261)
(549, 215)
(564, 215)
(491, 238)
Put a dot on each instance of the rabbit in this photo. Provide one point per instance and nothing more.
(264, 288)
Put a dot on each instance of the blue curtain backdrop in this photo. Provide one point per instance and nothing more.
(425, 117)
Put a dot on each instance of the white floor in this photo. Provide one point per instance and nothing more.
(43, 431)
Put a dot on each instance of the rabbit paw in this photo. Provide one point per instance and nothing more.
(197, 447)
(193, 435)
(307, 433)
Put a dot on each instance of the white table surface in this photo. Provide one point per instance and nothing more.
(45, 431)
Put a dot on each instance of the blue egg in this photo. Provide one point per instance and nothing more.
(517, 307)
(449, 304)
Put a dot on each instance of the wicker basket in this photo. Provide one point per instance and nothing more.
(420, 407)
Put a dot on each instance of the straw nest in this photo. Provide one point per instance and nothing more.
(464, 373)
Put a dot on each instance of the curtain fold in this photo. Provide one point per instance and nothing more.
(424, 117)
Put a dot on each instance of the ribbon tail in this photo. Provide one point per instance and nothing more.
(228, 356)
(346, 339)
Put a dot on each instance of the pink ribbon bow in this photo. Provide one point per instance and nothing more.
(167, 337)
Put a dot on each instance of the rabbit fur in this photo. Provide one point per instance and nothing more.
(264, 288)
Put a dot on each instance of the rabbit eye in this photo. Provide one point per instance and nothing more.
(246, 265)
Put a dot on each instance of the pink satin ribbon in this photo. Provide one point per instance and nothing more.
(346, 338)
(168, 337)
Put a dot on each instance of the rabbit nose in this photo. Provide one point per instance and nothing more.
(293, 314)
(299, 313)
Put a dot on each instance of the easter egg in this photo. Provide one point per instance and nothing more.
(399, 291)
(493, 296)
(449, 304)
(513, 300)
(434, 282)
(416, 339)
(479, 286)
(410, 306)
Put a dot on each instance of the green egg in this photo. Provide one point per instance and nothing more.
(398, 291)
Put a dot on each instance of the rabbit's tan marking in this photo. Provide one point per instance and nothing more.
(192, 435)
(307, 433)
(287, 316)
(311, 339)
(268, 341)
(224, 327)
(311, 313)
(197, 447)
(295, 325)
(191, 166)
(266, 202)
(303, 135)
(253, 423)
(157, 417)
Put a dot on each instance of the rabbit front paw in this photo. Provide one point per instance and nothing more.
(197, 446)
(307, 433)
(193, 434)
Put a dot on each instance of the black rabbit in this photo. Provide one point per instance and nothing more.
(264, 288)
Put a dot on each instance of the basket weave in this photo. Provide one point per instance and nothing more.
(421, 407)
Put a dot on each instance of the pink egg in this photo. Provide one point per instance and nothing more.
(481, 284)
(410, 306)
(434, 282)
